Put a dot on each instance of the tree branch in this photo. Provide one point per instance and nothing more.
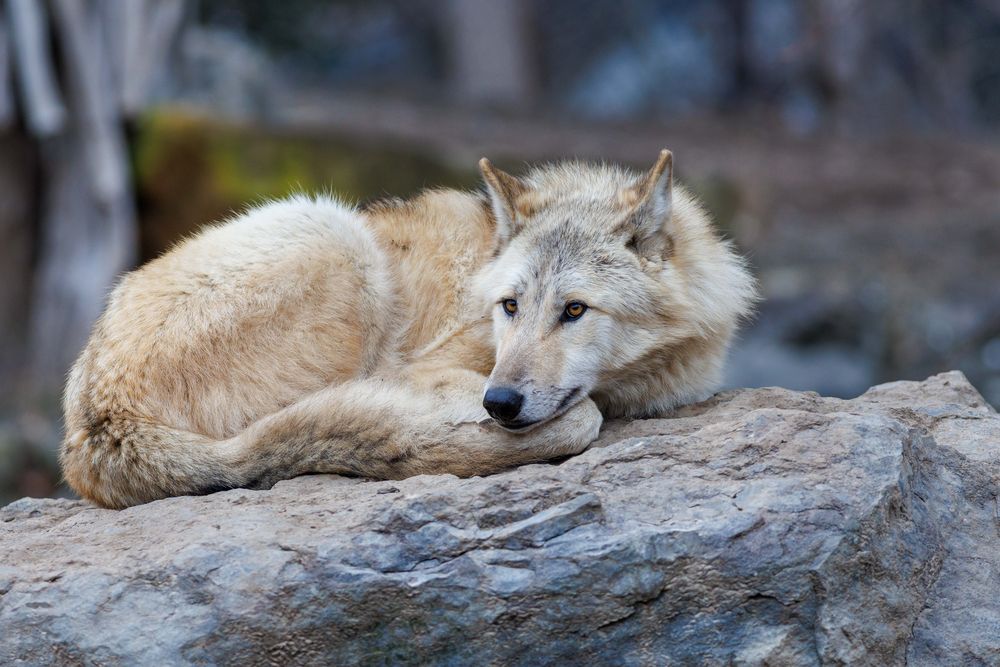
(43, 108)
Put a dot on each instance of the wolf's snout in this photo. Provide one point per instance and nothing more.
(503, 403)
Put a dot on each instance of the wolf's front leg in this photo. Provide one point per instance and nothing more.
(391, 430)
(465, 441)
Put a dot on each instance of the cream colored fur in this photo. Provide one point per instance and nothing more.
(310, 336)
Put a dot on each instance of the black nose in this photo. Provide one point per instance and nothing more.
(503, 403)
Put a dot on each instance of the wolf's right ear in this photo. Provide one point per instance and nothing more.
(505, 192)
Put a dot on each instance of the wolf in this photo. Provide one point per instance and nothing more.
(455, 332)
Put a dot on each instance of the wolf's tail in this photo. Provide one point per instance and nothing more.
(349, 429)
(119, 464)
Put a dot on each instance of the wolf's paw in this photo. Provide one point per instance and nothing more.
(579, 427)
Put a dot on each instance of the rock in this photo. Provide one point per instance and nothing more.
(761, 527)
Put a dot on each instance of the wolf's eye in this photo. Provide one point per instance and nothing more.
(573, 311)
(509, 306)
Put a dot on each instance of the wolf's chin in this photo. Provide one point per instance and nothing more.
(517, 427)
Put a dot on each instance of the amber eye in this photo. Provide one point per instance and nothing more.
(573, 311)
(509, 306)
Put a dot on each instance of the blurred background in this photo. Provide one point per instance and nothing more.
(849, 148)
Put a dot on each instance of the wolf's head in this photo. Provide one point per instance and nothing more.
(589, 287)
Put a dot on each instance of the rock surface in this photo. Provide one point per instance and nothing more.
(759, 527)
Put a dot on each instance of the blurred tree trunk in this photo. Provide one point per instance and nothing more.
(88, 233)
(75, 112)
(16, 231)
(6, 91)
(490, 52)
(15, 223)
(42, 107)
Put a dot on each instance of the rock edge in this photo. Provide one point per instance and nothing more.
(761, 526)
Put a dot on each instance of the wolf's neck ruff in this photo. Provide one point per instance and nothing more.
(366, 343)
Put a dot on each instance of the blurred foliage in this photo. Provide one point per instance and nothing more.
(815, 64)
(365, 42)
(191, 170)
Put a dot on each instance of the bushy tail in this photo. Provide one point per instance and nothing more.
(118, 465)
(347, 429)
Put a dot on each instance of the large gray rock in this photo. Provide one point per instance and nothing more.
(760, 527)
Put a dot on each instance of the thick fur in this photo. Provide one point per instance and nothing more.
(311, 336)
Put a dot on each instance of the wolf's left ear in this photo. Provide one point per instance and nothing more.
(506, 193)
(652, 205)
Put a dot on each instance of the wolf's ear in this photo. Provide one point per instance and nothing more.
(651, 201)
(505, 192)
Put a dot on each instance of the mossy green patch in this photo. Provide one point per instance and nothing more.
(190, 171)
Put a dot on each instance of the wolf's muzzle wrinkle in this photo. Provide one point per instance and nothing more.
(503, 403)
(569, 397)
